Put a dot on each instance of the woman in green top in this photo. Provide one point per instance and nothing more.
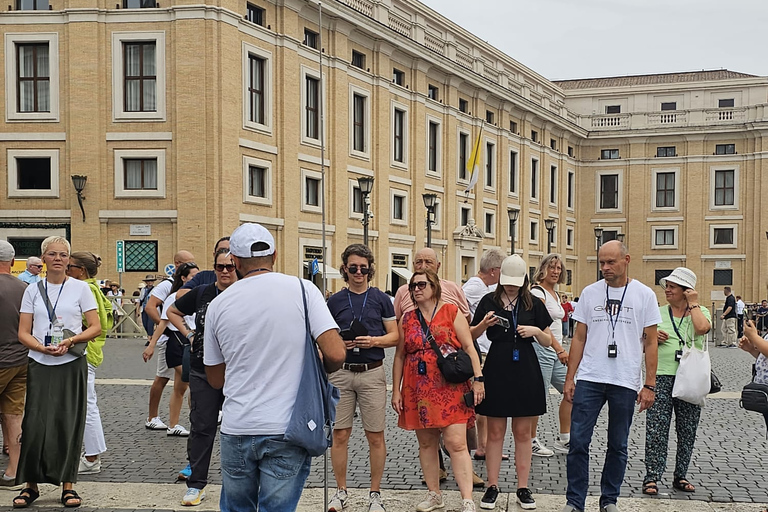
(684, 322)
(84, 266)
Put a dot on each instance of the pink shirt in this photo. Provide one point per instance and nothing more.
(451, 293)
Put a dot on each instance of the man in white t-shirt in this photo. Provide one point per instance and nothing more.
(616, 320)
(740, 307)
(254, 346)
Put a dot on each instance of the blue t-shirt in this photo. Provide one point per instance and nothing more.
(201, 278)
(378, 307)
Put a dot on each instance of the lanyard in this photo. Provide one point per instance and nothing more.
(513, 311)
(674, 326)
(425, 333)
(52, 313)
(611, 321)
(365, 299)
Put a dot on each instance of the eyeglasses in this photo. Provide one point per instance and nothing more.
(354, 268)
(421, 285)
(221, 268)
(36, 266)
(72, 266)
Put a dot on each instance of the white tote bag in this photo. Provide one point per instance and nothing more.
(693, 381)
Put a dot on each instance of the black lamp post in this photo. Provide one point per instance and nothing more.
(620, 237)
(78, 182)
(599, 238)
(429, 203)
(513, 214)
(550, 225)
(366, 185)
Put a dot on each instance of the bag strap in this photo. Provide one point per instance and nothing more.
(430, 338)
(47, 300)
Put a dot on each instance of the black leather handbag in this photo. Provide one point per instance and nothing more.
(715, 385)
(456, 367)
(754, 397)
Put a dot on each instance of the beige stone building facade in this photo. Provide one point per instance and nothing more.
(189, 118)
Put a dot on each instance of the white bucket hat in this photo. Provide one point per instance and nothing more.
(681, 276)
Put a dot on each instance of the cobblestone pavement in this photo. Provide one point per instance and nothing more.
(728, 461)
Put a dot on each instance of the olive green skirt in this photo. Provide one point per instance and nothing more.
(54, 422)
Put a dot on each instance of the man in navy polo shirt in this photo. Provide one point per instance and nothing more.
(366, 318)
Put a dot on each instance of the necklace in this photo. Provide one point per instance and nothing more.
(510, 303)
(257, 270)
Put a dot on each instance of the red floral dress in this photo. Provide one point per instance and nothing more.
(428, 400)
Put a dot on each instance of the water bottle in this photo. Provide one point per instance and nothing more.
(57, 335)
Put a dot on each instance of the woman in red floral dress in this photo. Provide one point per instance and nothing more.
(425, 401)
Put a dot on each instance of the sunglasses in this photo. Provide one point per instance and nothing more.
(73, 266)
(219, 267)
(36, 266)
(354, 268)
(421, 285)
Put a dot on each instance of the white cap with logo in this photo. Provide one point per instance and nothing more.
(513, 271)
(246, 236)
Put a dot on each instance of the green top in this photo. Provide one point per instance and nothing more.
(94, 355)
(667, 363)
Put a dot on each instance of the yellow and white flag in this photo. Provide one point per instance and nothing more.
(473, 164)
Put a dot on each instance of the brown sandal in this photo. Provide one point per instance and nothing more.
(650, 488)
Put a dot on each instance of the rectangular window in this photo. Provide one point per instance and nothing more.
(568, 277)
(140, 174)
(463, 144)
(257, 181)
(534, 179)
(665, 237)
(726, 103)
(513, 127)
(609, 235)
(723, 236)
(609, 154)
(33, 173)
(398, 207)
(464, 216)
(312, 107)
(433, 92)
(724, 188)
(398, 77)
(570, 151)
(665, 190)
(569, 237)
(463, 105)
(358, 121)
(255, 14)
(489, 163)
(665, 151)
(140, 77)
(32, 5)
(659, 275)
(553, 184)
(669, 105)
(553, 144)
(141, 256)
(722, 277)
(489, 117)
(513, 172)
(609, 192)
(312, 197)
(489, 222)
(613, 109)
(311, 38)
(139, 4)
(33, 78)
(433, 155)
(534, 136)
(358, 59)
(256, 67)
(725, 149)
(570, 189)
(398, 134)
(534, 231)
(357, 200)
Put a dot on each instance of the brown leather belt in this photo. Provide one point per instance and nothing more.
(361, 367)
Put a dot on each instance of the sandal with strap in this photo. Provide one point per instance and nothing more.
(27, 497)
(681, 484)
(69, 495)
(650, 488)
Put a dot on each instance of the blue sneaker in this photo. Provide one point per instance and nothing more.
(185, 473)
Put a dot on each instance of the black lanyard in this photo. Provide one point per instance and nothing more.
(674, 326)
(609, 309)
(365, 299)
(52, 312)
(426, 334)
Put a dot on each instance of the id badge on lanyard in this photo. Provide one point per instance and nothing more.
(614, 307)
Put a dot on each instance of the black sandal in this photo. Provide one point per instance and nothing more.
(681, 484)
(27, 495)
(650, 488)
(67, 496)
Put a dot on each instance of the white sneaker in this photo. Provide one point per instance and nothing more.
(432, 502)
(89, 468)
(375, 504)
(339, 501)
(178, 431)
(468, 506)
(155, 424)
(562, 447)
(539, 449)
(193, 497)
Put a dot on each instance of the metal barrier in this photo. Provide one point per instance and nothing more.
(128, 324)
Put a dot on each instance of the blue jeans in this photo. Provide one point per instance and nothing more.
(588, 400)
(262, 473)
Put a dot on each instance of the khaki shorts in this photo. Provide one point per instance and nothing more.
(367, 389)
(13, 389)
(162, 365)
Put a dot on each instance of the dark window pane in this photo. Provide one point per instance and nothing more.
(722, 277)
(357, 200)
(311, 38)
(723, 236)
(728, 103)
(399, 129)
(433, 146)
(313, 112)
(255, 14)
(661, 274)
(613, 109)
(609, 191)
(141, 256)
(671, 105)
(33, 173)
(358, 134)
(257, 181)
(463, 143)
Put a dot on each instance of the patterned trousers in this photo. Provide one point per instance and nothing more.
(658, 421)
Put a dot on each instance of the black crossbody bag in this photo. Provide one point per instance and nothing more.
(754, 397)
(456, 367)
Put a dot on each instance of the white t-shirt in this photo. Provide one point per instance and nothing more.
(638, 311)
(257, 329)
(740, 307)
(475, 289)
(189, 319)
(162, 290)
(76, 298)
(556, 311)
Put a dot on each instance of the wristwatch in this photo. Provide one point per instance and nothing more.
(650, 388)
(479, 379)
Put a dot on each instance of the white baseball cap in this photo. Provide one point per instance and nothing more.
(681, 276)
(513, 271)
(246, 236)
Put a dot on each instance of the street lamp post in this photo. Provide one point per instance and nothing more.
(550, 225)
(366, 185)
(513, 214)
(620, 237)
(429, 204)
(599, 239)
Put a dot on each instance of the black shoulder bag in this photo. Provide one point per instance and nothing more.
(456, 367)
(754, 397)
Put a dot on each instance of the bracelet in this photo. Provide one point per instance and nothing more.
(190, 334)
(651, 388)
(693, 307)
(560, 352)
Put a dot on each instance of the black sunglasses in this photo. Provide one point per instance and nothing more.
(419, 284)
(354, 268)
(219, 267)
(73, 266)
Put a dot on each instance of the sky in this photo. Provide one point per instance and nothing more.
(562, 39)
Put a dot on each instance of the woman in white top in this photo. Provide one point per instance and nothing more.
(54, 414)
(552, 359)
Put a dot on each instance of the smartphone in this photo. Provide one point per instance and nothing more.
(502, 321)
(469, 399)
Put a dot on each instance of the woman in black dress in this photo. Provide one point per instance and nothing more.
(513, 321)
